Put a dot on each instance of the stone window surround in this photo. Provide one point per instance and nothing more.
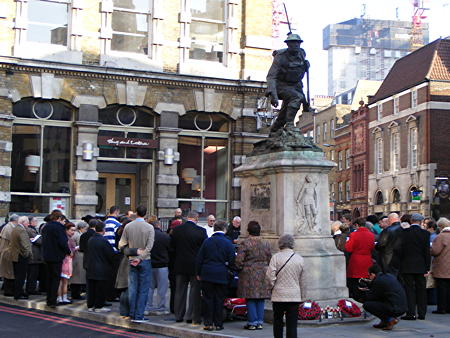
(23, 48)
(413, 152)
(378, 164)
(230, 50)
(395, 146)
(347, 158)
(155, 36)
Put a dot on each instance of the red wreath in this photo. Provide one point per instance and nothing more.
(309, 313)
(348, 311)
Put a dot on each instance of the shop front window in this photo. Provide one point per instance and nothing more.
(203, 172)
(41, 156)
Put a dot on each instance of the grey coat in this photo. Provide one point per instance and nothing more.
(78, 272)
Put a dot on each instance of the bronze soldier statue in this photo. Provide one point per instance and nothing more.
(284, 81)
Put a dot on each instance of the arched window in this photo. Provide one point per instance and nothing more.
(204, 122)
(379, 200)
(40, 161)
(395, 196)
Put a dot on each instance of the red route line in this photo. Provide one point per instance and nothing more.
(66, 321)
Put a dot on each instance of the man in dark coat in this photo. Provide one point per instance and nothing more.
(84, 239)
(186, 242)
(99, 268)
(54, 249)
(389, 244)
(215, 258)
(415, 260)
(386, 298)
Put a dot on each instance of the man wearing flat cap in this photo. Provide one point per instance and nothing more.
(284, 81)
(415, 262)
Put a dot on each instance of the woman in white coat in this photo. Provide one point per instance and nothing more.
(287, 277)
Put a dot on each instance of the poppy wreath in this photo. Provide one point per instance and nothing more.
(309, 313)
(348, 308)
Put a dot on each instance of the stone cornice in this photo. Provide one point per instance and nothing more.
(118, 74)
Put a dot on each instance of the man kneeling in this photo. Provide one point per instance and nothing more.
(385, 299)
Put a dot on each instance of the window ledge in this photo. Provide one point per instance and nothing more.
(130, 61)
(209, 69)
(48, 52)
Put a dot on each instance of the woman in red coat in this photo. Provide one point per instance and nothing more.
(360, 245)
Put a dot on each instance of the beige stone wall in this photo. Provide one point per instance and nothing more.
(6, 24)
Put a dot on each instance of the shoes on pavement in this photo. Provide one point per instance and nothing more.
(91, 309)
(103, 309)
(259, 327)
(407, 317)
(421, 317)
(51, 306)
(189, 321)
(34, 293)
(208, 328)
(436, 312)
(250, 327)
(140, 321)
(380, 325)
(195, 324)
(107, 304)
(390, 324)
(178, 320)
(21, 297)
(219, 328)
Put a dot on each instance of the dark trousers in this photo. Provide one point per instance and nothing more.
(96, 293)
(112, 293)
(416, 293)
(42, 278)
(8, 287)
(194, 310)
(172, 285)
(443, 294)
(381, 310)
(32, 277)
(213, 297)
(53, 278)
(20, 273)
(280, 309)
(75, 291)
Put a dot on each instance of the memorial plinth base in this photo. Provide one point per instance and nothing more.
(287, 192)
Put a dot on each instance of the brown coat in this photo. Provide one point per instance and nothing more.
(6, 265)
(440, 249)
(20, 244)
(253, 257)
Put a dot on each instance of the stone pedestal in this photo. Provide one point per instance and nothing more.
(287, 192)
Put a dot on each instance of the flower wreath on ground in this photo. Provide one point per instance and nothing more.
(309, 310)
(349, 308)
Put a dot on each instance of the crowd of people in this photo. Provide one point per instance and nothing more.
(396, 265)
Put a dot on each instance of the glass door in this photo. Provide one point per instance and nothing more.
(116, 189)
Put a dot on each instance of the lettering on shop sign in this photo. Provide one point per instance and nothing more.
(126, 142)
(260, 196)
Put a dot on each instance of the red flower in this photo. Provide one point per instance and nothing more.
(309, 310)
(348, 308)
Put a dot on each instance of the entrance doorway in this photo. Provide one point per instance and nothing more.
(116, 189)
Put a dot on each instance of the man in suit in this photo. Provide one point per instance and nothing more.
(99, 265)
(20, 251)
(186, 242)
(54, 249)
(385, 299)
(388, 245)
(138, 234)
(415, 262)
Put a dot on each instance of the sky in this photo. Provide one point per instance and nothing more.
(312, 16)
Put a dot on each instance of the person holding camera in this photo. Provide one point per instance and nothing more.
(385, 298)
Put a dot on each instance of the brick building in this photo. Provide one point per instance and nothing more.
(408, 127)
(124, 102)
(359, 127)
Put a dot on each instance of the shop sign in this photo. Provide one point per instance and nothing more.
(127, 142)
(58, 203)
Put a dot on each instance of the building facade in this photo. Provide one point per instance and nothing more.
(365, 49)
(408, 142)
(125, 102)
(359, 130)
(342, 176)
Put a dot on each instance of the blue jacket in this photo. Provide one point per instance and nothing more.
(214, 259)
(54, 242)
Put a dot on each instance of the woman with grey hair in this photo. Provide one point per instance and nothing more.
(287, 278)
(440, 250)
(78, 279)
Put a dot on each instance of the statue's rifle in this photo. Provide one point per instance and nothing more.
(287, 19)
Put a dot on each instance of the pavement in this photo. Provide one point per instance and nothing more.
(433, 326)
